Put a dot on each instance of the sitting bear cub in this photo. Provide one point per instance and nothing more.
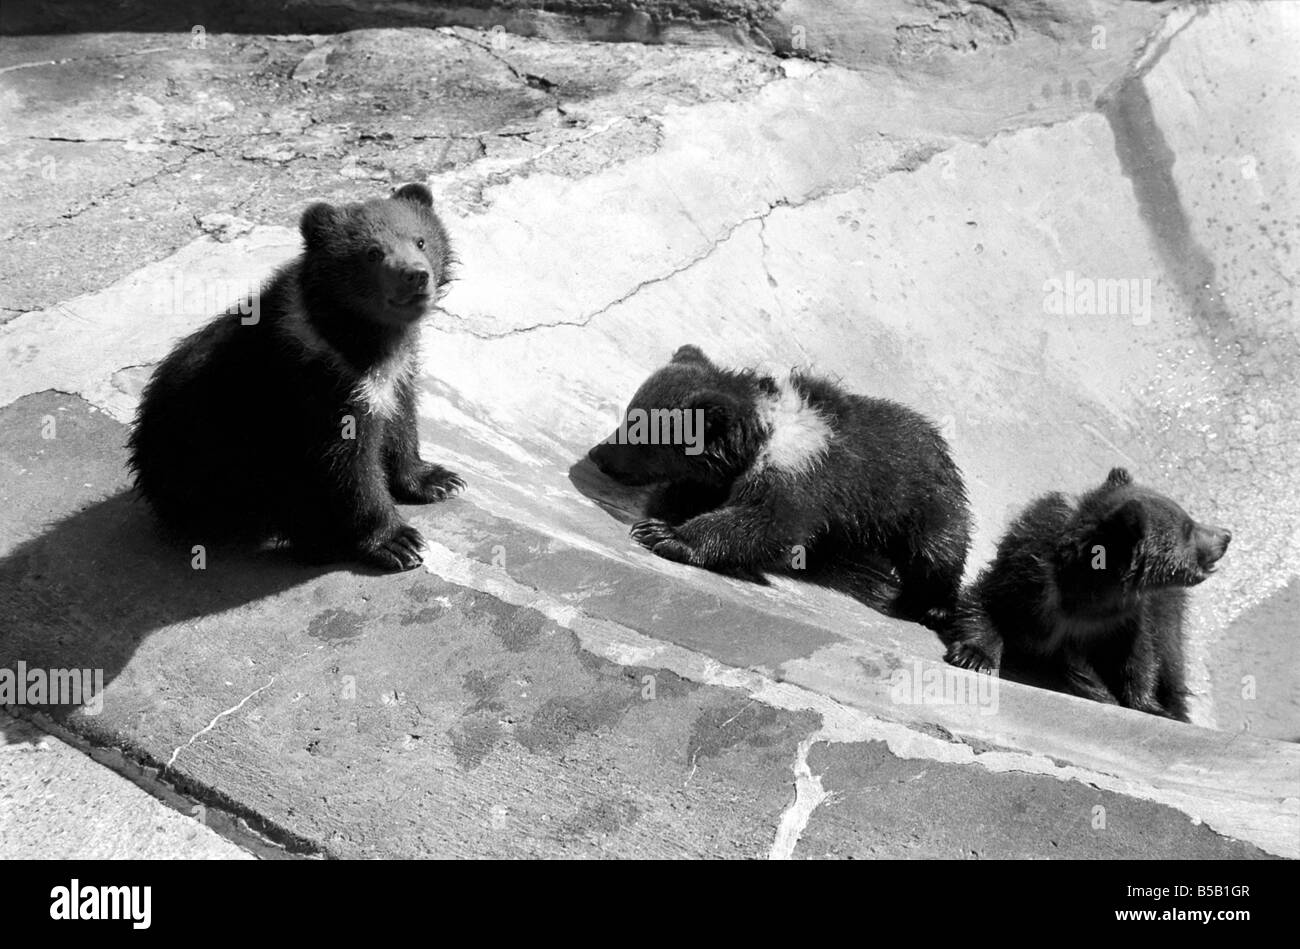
(299, 424)
(778, 472)
(1088, 597)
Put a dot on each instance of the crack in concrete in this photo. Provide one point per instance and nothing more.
(712, 246)
(775, 287)
(79, 141)
(213, 724)
(237, 823)
(808, 796)
(1149, 52)
(531, 80)
(85, 59)
(111, 194)
(707, 252)
(648, 282)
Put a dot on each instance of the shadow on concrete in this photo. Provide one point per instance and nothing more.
(624, 504)
(86, 592)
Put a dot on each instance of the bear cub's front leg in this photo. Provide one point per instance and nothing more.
(730, 540)
(411, 480)
(660, 538)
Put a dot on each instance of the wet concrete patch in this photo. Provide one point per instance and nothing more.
(559, 720)
(334, 625)
(743, 723)
(603, 817)
(474, 737)
(484, 687)
(519, 628)
(881, 806)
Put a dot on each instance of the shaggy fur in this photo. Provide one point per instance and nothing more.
(1088, 596)
(300, 426)
(798, 469)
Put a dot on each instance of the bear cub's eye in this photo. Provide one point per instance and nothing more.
(374, 255)
(419, 242)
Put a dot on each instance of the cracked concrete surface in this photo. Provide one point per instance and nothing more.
(609, 203)
(56, 803)
(216, 719)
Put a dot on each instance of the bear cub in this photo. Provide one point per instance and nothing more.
(1088, 596)
(298, 424)
(795, 471)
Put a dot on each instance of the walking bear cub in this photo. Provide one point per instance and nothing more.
(775, 472)
(1088, 596)
(298, 424)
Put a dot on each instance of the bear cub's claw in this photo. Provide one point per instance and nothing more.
(401, 550)
(660, 538)
(427, 485)
(969, 656)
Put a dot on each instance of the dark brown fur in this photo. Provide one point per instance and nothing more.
(269, 429)
(1088, 597)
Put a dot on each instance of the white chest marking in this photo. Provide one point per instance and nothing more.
(376, 389)
(379, 388)
(798, 435)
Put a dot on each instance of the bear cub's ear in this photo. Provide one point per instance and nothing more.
(318, 221)
(720, 410)
(1130, 518)
(1118, 477)
(691, 354)
(417, 193)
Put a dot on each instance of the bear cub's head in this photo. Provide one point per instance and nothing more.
(386, 259)
(690, 421)
(1148, 538)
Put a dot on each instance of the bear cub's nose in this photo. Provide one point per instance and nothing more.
(1213, 545)
(417, 276)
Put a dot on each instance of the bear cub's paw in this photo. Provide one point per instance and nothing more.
(970, 656)
(660, 538)
(399, 549)
(426, 485)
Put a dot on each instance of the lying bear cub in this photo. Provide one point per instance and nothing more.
(1087, 596)
(778, 473)
(298, 424)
